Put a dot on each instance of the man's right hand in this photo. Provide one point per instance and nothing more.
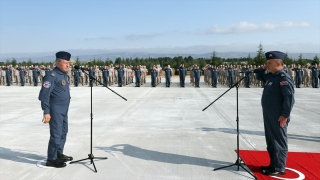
(46, 118)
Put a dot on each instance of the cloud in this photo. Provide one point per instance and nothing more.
(246, 27)
(142, 36)
(100, 38)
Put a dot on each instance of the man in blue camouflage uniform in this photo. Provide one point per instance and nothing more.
(55, 99)
(197, 75)
(214, 76)
(182, 74)
(23, 75)
(105, 75)
(36, 73)
(231, 74)
(154, 74)
(8, 75)
(137, 73)
(76, 77)
(299, 74)
(168, 74)
(315, 71)
(277, 102)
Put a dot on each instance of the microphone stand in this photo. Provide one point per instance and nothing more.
(90, 156)
(239, 160)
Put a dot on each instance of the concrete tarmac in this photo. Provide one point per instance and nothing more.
(159, 133)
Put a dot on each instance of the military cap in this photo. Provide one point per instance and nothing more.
(63, 55)
(275, 55)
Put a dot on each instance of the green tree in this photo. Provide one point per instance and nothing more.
(260, 58)
(14, 62)
(315, 60)
(301, 61)
(214, 59)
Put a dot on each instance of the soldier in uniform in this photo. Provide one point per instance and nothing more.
(35, 73)
(182, 74)
(23, 75)
(168, 74)
(8, 75)
(231, 74)
(248, 76)
(30, 75)
(16, 76)
(2, 76)
(214, 76)
(154, 74)
(137, 73)
(76, 76)
(105, 75)
(306, 76)
(55, 99)
(197, 74)
(92, 74)
(277, 102)
(298, 74)
(315, 71)
(120, 75)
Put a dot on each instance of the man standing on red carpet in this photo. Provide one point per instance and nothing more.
(277, 102)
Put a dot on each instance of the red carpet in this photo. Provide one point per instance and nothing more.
(305, 163)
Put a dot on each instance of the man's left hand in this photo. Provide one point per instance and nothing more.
(283, 121)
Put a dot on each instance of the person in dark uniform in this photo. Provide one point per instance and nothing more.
(36, 73)
(55, 99)
(76, 77)
(299, 74)
(214, 76)
(263, 82)
(168, 74)
(154, 75)
(92, 74)
(315, 73)
(231, 74)
(8, 75)
(137, 73)
(23, 74)
(285, 68)
(105, 76)
(182, 74)
(120, 75)
(47, 70)
(248, 76)
(197, 74)
(277, 102)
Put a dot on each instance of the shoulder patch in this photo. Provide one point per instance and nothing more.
(282, 75)
(53, 74)
(46, 84)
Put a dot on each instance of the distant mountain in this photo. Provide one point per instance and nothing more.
(88, 55)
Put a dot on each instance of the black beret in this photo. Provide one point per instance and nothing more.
(63, 55)
(275, 55)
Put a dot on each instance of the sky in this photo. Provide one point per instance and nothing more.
(195, 26)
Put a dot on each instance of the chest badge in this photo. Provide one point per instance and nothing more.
(270, 83)
(63, 82)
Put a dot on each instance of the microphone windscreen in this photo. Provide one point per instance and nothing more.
(256, 70)
(76, 67)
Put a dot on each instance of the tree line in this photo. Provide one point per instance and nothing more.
(259, 59)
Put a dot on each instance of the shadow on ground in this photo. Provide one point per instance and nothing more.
(19, 156)
(261, 133)
(150, 155)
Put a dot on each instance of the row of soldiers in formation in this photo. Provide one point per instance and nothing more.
(228, 75)
(124, 75)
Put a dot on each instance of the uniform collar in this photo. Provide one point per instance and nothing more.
(58, 70)
(278, 72)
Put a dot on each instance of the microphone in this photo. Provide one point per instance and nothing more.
(77, 67)
(252, 71)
